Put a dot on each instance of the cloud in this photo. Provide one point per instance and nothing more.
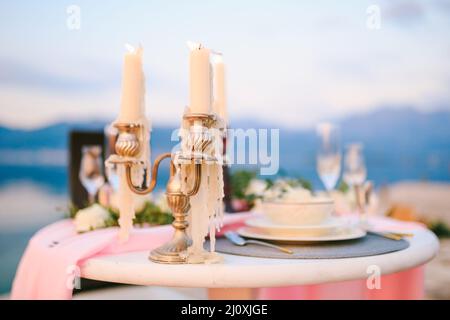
(17, 74)
(306, 64)
(441, 5)
(405, 12)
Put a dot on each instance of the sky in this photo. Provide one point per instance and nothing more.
(289, 63)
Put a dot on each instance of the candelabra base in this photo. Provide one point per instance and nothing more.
(174, 251)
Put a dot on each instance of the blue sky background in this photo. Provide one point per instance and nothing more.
(289, 63)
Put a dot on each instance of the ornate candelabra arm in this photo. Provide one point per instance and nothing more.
(154, 175)
(197, 180)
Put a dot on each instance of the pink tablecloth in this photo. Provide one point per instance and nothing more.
(404, 285)
(51, 261)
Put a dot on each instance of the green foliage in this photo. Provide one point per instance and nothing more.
(343, 187)
(239, 181)
(440, 229)
(150, 214)
(72, 210)
(300, 182)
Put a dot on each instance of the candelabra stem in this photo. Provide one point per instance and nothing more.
(174, 251)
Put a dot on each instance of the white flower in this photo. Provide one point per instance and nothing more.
(256, 187)
(281, 185)
(287, 191)
(272, 194)
(296, 194)
(276, 190)
(91, 218)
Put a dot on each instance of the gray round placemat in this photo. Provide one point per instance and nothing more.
(370, 245)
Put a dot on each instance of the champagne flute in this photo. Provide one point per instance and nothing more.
(91, 170)
(328, 155)
(355, 174)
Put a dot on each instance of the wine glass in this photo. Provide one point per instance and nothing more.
(355, 174)
(328, 155)
(113, 177)
(91, 170)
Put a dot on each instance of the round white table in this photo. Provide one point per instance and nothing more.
(248, 272)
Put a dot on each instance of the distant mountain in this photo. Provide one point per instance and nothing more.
(404, 127)
(393, 124)
(56, 135)
(400, 143)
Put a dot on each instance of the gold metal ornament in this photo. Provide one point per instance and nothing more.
(128, 148)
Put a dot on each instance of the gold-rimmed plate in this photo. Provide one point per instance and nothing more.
(330, 226)
(345, 233)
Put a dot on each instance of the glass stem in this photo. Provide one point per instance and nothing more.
(91, 197)
(360, 203)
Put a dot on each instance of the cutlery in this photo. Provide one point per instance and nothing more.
(239, 241)
(363, 199)
(391, 235)
(402, 234)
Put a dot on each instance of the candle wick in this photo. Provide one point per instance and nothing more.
(194, 45)
(130, 48)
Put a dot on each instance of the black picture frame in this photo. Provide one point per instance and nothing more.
(77, 140)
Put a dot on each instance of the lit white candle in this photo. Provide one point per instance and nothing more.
(200, 79)
(219, 105)
(132, 107)
(132, 110)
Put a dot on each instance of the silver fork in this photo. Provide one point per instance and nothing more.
(239, 241)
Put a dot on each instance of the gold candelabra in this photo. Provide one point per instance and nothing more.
(197, 151)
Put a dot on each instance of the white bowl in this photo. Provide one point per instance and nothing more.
(311, 212)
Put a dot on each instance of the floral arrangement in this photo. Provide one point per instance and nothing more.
(279, 190)
(248, 191)
(97, 216)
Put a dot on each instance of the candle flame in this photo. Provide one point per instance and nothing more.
(217, 57)
(194, 45)
(130, 48)
(134, 50)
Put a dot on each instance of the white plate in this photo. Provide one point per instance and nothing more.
(347, 233)
(263, 222)
(331, 226)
